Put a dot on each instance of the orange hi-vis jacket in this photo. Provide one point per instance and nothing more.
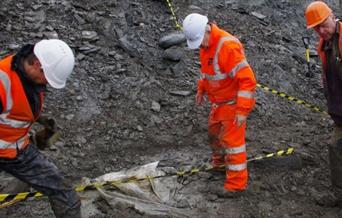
(322, 55)
(17, 117)
(320, 51)
(226, 74)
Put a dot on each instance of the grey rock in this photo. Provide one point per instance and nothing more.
(80, 56)
(156, 120)
(51, 35)
(168, 170)
(13, 46)
(89, 35)
(79, 19)
(53, 148)
(79, 98)
(88, 48)
(258, 15)
(155, 106)
(59, 144)
(173, 54)
(139, 128)
(112, 53)
(70, 116)
(248, 3)
(179, 68)
(212, 197)
(195, 9)
(180, 93)
(82, 140)
(126, 45)
(171, 40)
(183, 203)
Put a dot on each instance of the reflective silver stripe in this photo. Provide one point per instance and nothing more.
(231, 74)
(13, 123)
(9, 103)
(215, 77)
(218, 48)
(12, 145)
(243, 116)
(236, 167)
(218, 74)
(236, 150)
(245, 94)
(7, 84)
(229, 102)
(237, 68)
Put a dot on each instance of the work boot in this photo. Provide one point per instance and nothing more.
(221, 192)
(221, 169)
(335, 158)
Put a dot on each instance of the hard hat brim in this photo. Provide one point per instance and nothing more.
(195, 44)
(316, 23)
(54, 84)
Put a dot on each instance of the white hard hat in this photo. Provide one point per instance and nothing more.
(194, 29)
(57, 60)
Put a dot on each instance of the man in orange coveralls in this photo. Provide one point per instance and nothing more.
(229, 82)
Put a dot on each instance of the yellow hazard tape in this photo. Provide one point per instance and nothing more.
(174, 17)
(307, 54)
(290, 98)
(13, 198)
(275, 154)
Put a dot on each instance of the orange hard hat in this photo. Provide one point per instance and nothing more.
(316, 13)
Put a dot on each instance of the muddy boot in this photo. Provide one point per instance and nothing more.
(335, 157)
(221, 192)
(66, 205)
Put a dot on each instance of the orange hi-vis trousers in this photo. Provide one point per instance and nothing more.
(227, 141)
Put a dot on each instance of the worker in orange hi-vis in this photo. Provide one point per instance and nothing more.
(229, 82)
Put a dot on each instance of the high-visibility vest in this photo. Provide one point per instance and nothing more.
(226, 74)
(320, 48)
(322, 55)
(17, 117)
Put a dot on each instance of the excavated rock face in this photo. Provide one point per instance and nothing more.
(130, 100)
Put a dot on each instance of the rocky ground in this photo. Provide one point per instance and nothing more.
(130, 100)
